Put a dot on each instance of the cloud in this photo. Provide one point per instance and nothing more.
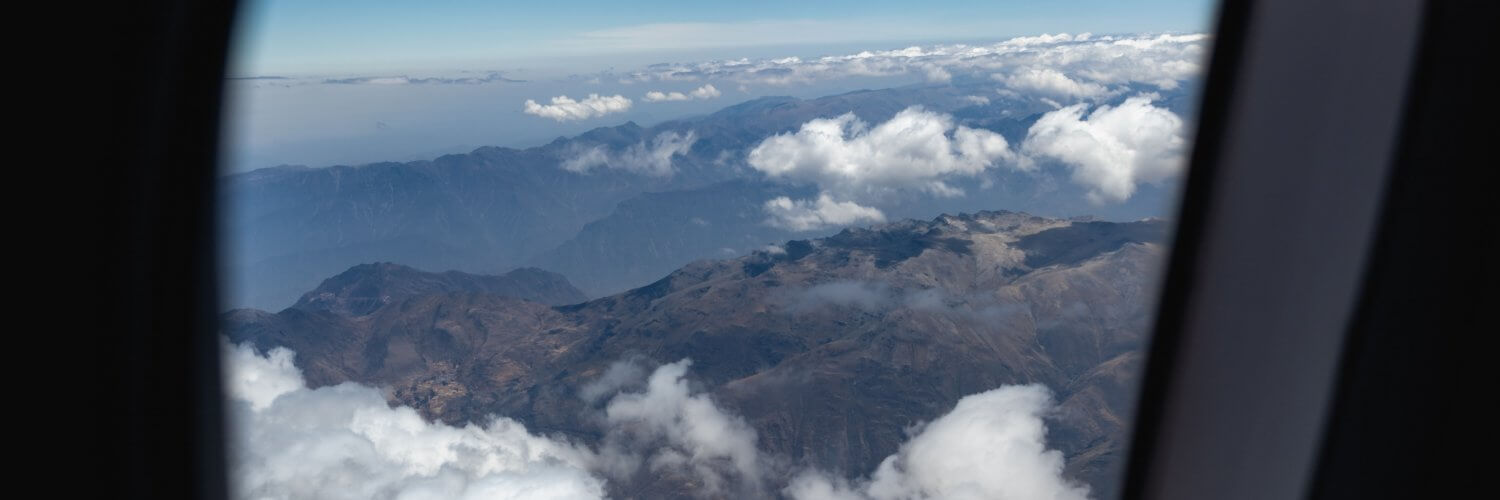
(259, 381)
(653, 158)
(915, 149)
(991, 446)
(1095, 65)
(458, 78)
(257, 77)
(1047, 82)
(823, 212)
(881, 297)
(564, 108)
(490, 77)
(865, 295)
(620, 375)
(977, 100)
(848, 159)
(658, 96)
(701, 35)
(345, 441)
(1113, 148)
(707, 91)
(686, 433)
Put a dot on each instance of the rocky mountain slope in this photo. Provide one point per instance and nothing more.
(831, 348)
(365, 288)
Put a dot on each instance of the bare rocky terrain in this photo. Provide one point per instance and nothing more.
(830, 348)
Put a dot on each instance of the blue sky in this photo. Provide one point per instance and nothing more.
(360, 36)
(576, 49)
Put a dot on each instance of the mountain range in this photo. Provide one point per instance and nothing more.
(612, 208)
(830, 348)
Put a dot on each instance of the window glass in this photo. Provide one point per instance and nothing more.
(805, 250)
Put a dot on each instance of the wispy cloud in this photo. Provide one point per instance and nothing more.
(669, 427)
(821, 212)
(459, 78)
(564, 108)
(707, 91)
(265, 77)
(653, 157)
(703, 35)
(1093, 64)
(491, 77)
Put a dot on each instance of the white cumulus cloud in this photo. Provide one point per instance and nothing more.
(564, 108)
(1095, 65)
(991, 446)
(823, 212)
(915, 149)
(707, 91)
(1113, 148)
(1047, 82)
(346, 442)
(848, 159)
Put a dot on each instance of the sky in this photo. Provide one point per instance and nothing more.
(280, 37)
(352, 82)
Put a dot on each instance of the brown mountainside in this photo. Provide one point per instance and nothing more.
(830, 348)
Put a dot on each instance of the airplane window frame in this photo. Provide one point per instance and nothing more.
(156, 292)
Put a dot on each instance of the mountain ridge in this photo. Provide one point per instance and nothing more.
(831, 348)
(364, 288)
(496, 208)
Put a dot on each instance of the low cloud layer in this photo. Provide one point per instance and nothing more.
(707, 91)
(991, 446)
(345, 441)
(653, 157)
(847, 159)
(1051, 83)
(880, 297)
(1088, 65)
(869, 296)
(469, 79)
(458, 78)
(685, 433)
(1111, 149)
(564, 108)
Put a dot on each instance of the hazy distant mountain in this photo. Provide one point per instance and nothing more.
(649, 236)
(494, 209)
(484, 211)
(830, 348)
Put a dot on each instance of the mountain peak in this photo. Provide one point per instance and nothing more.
(365, 288)
(894, 323)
